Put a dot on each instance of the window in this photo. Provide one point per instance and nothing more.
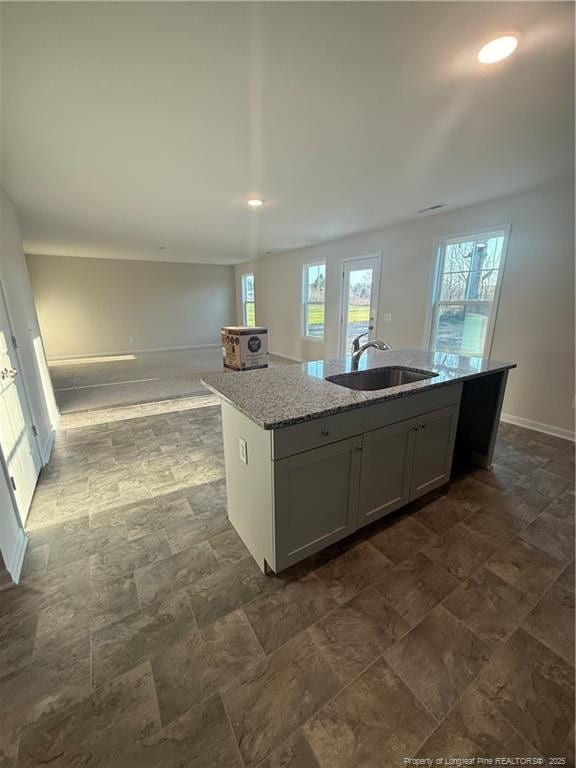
(466, 293)
(248, 306)
(313, 293)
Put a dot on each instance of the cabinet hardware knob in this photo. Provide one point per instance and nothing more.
(358, 447)
(422, 426)
(415, 428)
(325, 432)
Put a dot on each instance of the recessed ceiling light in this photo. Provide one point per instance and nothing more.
(497, 49)
(255, 202)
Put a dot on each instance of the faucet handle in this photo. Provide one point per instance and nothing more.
(356, 342)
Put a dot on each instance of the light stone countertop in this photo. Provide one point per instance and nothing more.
(288, 394)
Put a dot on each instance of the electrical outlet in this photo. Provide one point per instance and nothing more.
(387, 317)
(243, 446)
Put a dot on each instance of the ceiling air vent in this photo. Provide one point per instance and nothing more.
(432, 208)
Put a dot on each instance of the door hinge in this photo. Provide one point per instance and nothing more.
(14, 342)
(13, 482)
(34, 430)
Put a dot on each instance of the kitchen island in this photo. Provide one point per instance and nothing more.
(316, 450)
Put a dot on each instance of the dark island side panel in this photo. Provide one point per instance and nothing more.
(480, 410)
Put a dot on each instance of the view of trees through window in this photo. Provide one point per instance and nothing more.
(465, 293)
(248, 305)
(359, 297)
(314, 290)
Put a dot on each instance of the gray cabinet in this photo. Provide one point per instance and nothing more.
(316, 499)
(386, 476)
(433, 447)
(296, 490)
(327, 493)
(404, 461)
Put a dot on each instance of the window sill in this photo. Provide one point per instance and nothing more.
(313, 339)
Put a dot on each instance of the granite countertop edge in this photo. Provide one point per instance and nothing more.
(219, 384)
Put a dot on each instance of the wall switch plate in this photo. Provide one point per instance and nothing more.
(387, 317)
(243, 446)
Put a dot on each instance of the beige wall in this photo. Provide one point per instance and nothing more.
(101, 306)
(535, 321)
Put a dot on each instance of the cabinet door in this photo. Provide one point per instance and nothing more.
(316, 499)
(434, 446)
(386, 470)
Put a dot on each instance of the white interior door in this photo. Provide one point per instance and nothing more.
(17, 439)
(360, 289)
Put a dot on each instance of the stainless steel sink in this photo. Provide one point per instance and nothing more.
(380, 378)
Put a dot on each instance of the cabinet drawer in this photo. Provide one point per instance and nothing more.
(315, 433)
(330, 429)
(401, 408)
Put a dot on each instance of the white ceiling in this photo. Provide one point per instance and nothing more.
(128, 125)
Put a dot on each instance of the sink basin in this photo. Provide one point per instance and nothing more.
(380, 378)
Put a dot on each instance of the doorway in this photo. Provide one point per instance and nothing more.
(360, 289)
(17, 439)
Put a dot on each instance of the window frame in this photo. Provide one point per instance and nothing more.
(304, 302)
(243, 298)
(502, 230)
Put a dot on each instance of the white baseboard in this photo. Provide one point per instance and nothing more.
(288, 357)
(15, 557)
(128, 352)
(548, 429)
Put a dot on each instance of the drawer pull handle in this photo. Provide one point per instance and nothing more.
(325, 432)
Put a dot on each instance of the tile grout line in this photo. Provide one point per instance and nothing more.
(370, 585)
(463, 692)
(91, 662)
(232, 731)
(241, 610)
(322, 654)
(472, 683)
(532, 608)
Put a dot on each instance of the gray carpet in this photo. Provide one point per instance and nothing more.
(107, 382)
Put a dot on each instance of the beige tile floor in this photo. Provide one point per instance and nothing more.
(144, 635)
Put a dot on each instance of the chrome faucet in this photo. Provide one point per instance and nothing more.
(356, 342)
(358, 349)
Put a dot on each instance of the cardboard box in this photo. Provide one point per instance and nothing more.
(244, 348)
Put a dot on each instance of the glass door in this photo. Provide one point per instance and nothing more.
(360, 288)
